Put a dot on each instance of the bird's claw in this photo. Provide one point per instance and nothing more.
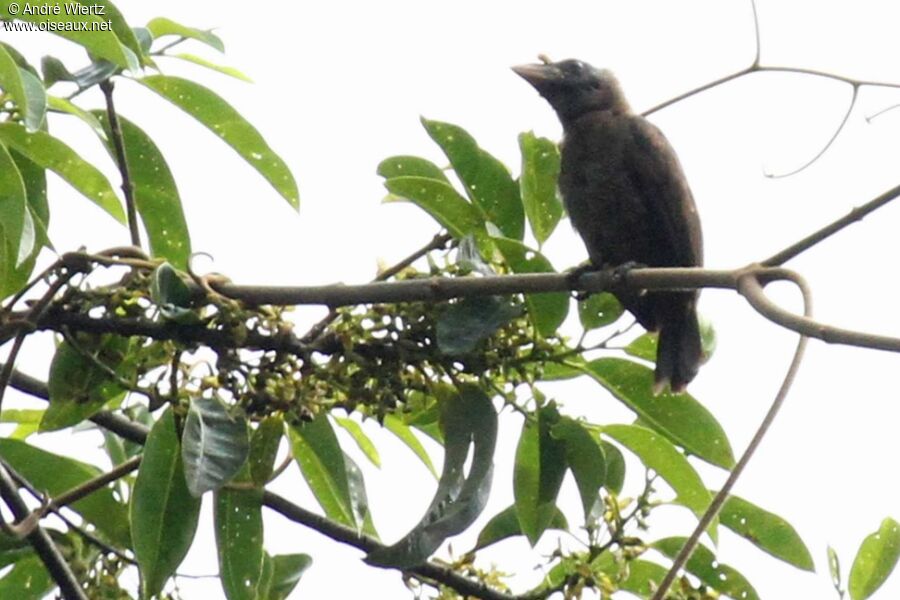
(621, 272)
(573, 279)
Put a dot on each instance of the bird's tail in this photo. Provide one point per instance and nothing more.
(679, 352)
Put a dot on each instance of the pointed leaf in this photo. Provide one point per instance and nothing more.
(463, 324)
(585, 459)
(359, 501)
(222, 119)
(703, 564)
(51, 153)
(321, 460)
(224, 70)
(239, 541)
(677, 416)
(35, 108)
(56, 474)
(659, 454)
(393, 424)
(644, 346)
(61, 105)
(466, 419)
(162, 26)
(410, 166)
(13, 206)
(362, 440)
(538, 182)
(547, 311)
(767, 531)
(264, 449)
(287, 570)
(441, 201)
(875, 560)
(505, 524)
(538, 473)
(155, 193)
(163, 513)
(615, 467)
(485, 179)
(214, 445)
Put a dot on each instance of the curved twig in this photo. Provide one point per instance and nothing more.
(748, 286)
(827, 145)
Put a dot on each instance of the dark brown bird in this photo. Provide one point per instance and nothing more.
(628, 198)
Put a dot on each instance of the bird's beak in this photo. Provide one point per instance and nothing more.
(536, 74)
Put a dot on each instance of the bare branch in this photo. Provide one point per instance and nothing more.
(106, 86)
(855, 215)
(748, 286)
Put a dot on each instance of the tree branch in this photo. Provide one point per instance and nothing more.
(748, 286)
(41, 542)
(106, 86)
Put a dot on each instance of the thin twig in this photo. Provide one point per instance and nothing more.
(748, 286)
(854, 216)
(439, 241)
(106, 86)
(97, 483)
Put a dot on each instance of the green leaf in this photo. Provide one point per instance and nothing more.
(79, 387)
(264, 449)
(677, 416)
(485, 179)
(56, 474)
(505, 524)
(658, 453)
(599, 310)
(35, 108)
(287, 570)
(223, 69)
(767, 531)
(708, 339)
(28, 580)
(362, 440)
(161, 26)
(540, 171)
(27, 421)
(51, 153)
(467, 419)
(34, 230)
(644, 346)
(549, 310)
(164, 514)
(222, 119)
(875, 560)
(321, 460)
(403, 432)
(214, 445)
(61, 105)
(54, 70)
(155, 193)
(13, 203)
(239, 540)
(441, 201)
(359, 501)
(117, 23)
(410, 166)
(171, 294)
(615, 467)
(98, 39)
(461, 326)
(640, 577)
(538, 473)
(703, 564)
(585, 459)
(11, 82)
(834, 568)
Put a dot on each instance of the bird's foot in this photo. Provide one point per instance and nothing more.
(573, 278)
(621, 272)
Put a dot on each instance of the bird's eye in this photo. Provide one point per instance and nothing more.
(573, 67)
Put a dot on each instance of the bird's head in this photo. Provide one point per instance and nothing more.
(574, 88)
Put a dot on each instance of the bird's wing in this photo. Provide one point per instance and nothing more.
(655, 171)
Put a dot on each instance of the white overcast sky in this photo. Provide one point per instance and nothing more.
(340, 86)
